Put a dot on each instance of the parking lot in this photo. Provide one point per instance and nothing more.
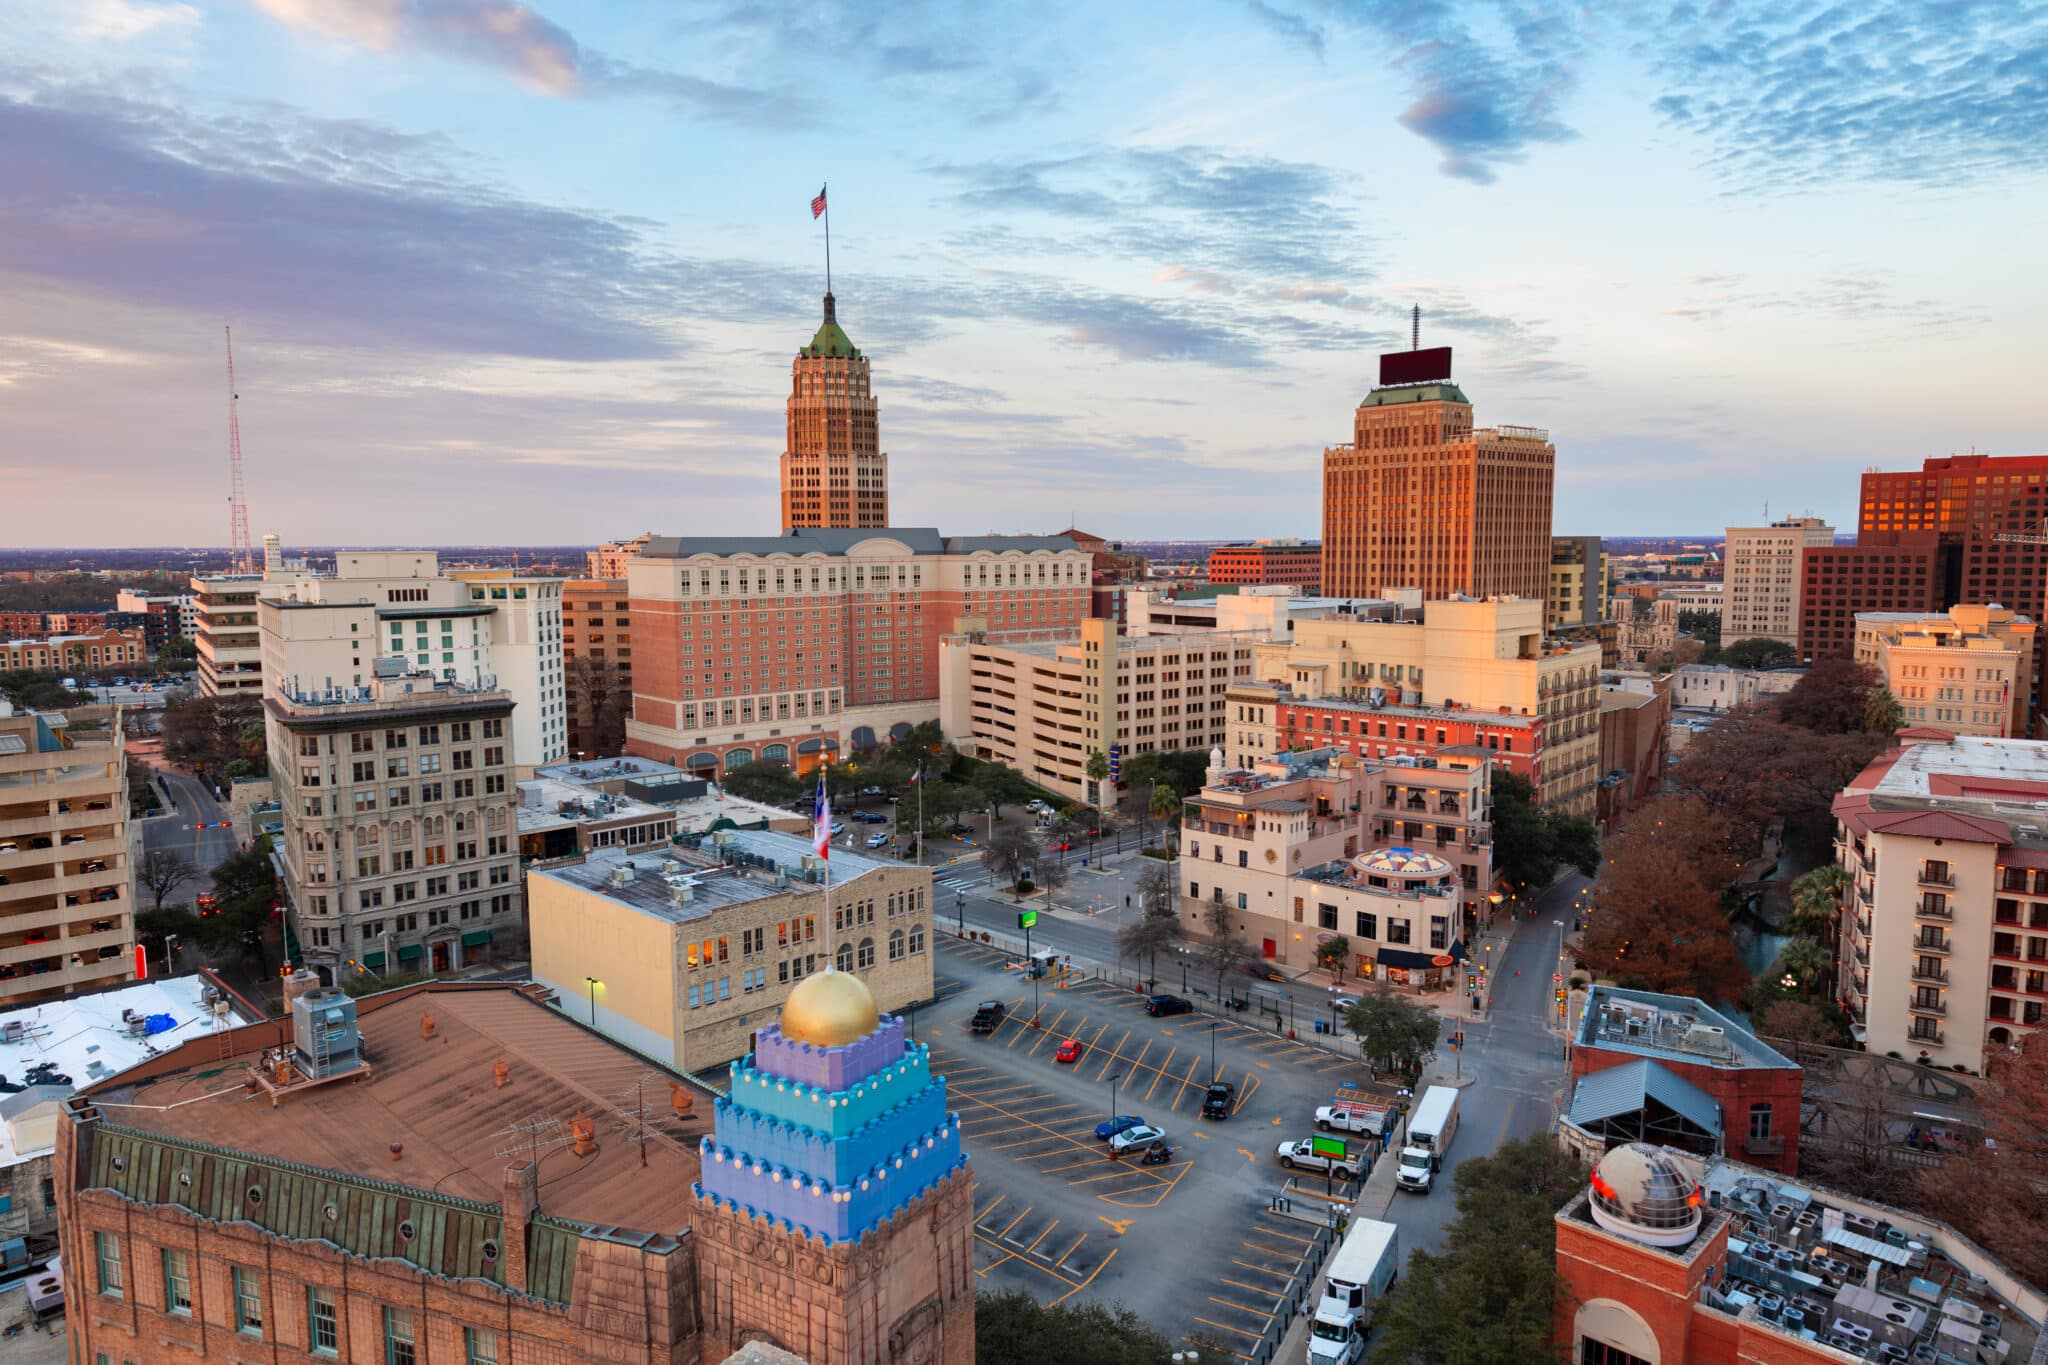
(1193, 1245)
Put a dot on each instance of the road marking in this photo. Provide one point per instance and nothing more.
(1236, 1331)
(1266, 1065)
(1242, 1308)
(1162, 1074)
(1200, 1136)
(1114, 1057)
(1085, 1283)
(1284, 1276)
(1062, 1258)
(990, 1209)
(1276, 1120)
(1122, 1225)
(1043, 1235)
(1014, 1221)
(1246, 1153)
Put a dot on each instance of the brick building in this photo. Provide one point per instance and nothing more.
(1112, 570)
(597, 627)
(833, 470)
(1264, 563)
(1882, 571)
(1635, 746)
(1266, 718)
(459, 1173)
(65, 653)
(1673, 1070)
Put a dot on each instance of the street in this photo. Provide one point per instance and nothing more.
(206, 849)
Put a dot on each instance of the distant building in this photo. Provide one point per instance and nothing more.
(834, 473)
(1718, 687)
(1707, 597)
(1882, 571)
(609, 560)
(1265, 718)
(1763, 576)
(597, 625)
(1678, 1259)
(1970, 670)
(1646, 631)
(65, 653)
(1275, 563)
(169, 614)
(1423, 499)
(1672, 1070)
(1635, 747)
(1111, 570)
(1268, 611)
(229, 643)
(67, 881)
(1578, 583)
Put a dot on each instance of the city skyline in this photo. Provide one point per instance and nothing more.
(510, 282)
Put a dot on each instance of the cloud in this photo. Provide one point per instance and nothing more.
(1291, 27)
(121, 21)
(543, 56)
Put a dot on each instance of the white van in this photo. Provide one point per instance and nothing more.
(1361, 1272)
(1431, 1127)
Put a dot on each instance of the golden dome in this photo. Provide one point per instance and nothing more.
(829, 1009)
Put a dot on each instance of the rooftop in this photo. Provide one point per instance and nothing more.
(1669, 1028)
(607, 769)
(1445, 392)
(84, 1039)
(680, 885)
(837, 540)
(436, 1098)
(547, 804)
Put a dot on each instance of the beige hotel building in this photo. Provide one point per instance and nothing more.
(1969, 670)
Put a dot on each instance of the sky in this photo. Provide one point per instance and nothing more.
(514, 275)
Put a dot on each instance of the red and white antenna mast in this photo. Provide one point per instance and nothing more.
(239, 551)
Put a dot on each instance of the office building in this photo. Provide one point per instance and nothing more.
(1423, 499)
(597, 626)
(1679, 1259)
(683, 953)
(496, 1182)
(558, 819)
(1265, 718)
(1882, 571)
(1708, 597)
(1968, 670)
(1307, 847)
(1673, 1070)
(1270, 612)
(229, 643)
(817, 642)
(609, 560)
(1763, 578)
(1578, 583)
(67, 885)
(1635, 747)
(1481, 656)
(1718, 687)
(834, 472)
(1111, 570)
(1281, 563)
(1944, 941)
(76, 653)
(1042, 704)
(165, 615)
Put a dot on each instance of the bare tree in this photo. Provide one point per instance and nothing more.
(1008, 852)
(1225, 950)
(161, 872)
(1157, 929)
(1051, 875)
(597, 694)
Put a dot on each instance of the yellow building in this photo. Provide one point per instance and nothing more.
(1471, 654)
(1969, 671)
(682, 953)
(1578, 582)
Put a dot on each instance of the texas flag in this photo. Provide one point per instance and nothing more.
(821, 820)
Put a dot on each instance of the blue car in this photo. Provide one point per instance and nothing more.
(1109, 1128)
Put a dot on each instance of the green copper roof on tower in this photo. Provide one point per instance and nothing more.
(830, 342)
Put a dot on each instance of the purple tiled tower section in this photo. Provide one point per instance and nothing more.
(829, 1068)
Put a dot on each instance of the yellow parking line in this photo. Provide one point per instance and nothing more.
(1275, 1232)
(1236, 1331)
(1281, 1275)
(1138, 1062)
(1240, 1284)
(1049, 1031)
(1114, 1056)
(1061, 1258)
(1043, 1235)
(1205, 1343)
(1162, 1074)
(1014, 1221)
(1085, 1283)
(1241, 1308)
(990, 1209)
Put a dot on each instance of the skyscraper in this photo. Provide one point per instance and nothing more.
(1423, 499)
(1763, 577)
(833, 470)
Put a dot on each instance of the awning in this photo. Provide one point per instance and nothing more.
(1416, 962)
(475, 938)
(374, 960)
(1628, 1089)
(410, 952)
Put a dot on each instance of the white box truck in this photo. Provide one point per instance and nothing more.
(1430, 1129)
(1364, 1268)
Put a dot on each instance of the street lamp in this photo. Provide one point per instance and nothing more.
(594, 984)
(1214, 1024)
(960, 911)
(170, 952)
(1114, 1081)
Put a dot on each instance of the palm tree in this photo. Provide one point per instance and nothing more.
(1098, 772)
(1165, 804)
(1804, 959)
(1816, 901)
(1882, 713)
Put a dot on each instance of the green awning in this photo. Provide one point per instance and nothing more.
(476, 938)
(373, 960)
(410, 952)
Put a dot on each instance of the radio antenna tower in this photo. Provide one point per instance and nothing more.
(239, 552)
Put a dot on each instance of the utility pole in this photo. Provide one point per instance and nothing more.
(239, 555)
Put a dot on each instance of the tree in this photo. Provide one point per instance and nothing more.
(1011, 1328)
(999, 785)
(161, 872)
(245, 891)
(1756, 770)
(1051, 875)
(1804, 959)
(1489, 1298)
(1996, 1190)
(1798, 1023)
(1157, 928)
(153, 926)
(1758, 652)
(208, 734)
(598, 695)
(1008, 852)
(1529, 842)
(1834, 698)
(1224, 949)
(1184, 770)
(1334, 954)
(1882, 714)
(766, 780)
(1164, 805)
(1704, 626)
(1657, 922)
(1394, 1032)
(1097, 769)
(1816, 897)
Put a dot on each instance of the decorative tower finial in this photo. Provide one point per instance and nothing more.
(829, 314)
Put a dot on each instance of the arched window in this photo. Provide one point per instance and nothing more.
(867, 953)
(775, 753)
(916, 939)
(895, 945)
(843, 959)
(738, 758)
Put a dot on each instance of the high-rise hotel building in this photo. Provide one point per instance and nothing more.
(1423, 499)
(833, 470)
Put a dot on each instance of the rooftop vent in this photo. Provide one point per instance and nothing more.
(324, 1033)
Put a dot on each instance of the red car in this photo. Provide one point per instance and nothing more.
(1069, 1051)
(1059, 847)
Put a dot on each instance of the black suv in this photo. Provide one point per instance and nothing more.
(1216, 1104)
(988, 1016)
(1169, 1004)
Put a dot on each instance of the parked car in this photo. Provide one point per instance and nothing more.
(1130, 1139)
(1301, 1156)
(838, 828)
(1169, 1004)
(1060, 847)
(1069, 1051)
(880, 840)
(1218, 1102)
(959, 831)
(988, 1016)
(1264, 971)
(871, 817)
(871, 791)
(1109, 1128)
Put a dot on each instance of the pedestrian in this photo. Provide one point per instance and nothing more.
(1127, 900)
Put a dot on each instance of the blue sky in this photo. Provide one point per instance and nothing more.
(520, 274)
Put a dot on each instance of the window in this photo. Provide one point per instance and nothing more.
(867, 953)
(248, 1301)
(323, 1330)
(1760, 1122)
(1593, 1352)
(895, 945)
(399, 1345)
(916, 939)
(479, 1347)
(108, 1247)
(177, 1283)
(1397, 931)
(1326, 916)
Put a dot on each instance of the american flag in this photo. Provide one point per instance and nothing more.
(818, 204)
(821, 820)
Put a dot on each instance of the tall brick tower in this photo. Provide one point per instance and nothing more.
(834, 1217)
(1423, 499)
(833, 470)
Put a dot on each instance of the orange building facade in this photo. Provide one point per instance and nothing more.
(833, 470)
(1299, 566)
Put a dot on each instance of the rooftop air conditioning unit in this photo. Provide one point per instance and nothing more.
(1708, 1036)
(622, 875)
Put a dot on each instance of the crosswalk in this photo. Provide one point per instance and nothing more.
(956, 884)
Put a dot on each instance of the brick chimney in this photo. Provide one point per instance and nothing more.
(297, 984)
(522, 1201)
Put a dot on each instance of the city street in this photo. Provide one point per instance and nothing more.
(193, 804)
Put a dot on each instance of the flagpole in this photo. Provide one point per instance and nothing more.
(826, 195)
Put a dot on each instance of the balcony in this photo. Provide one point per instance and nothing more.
(1861, 953)
(1863, 893)
(1933, 1007)
(1931, 943)
(1930, 975)
(1931, 1037)
(1934, 907)
(1863, 926)
(1936, 875)
(1763, 1146)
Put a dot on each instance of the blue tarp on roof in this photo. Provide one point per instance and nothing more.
(158, 1023)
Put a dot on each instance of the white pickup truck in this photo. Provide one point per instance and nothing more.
(1353, 1116)
(1301, 1156)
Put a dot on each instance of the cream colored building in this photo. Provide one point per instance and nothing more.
(1470, 654)
(682, 954)
(1944, 938)
(1304, 847)
(1762, 575)
(1268, 612)
(67, 883)
(609, 560)
(1043, 706)
(229, 642)
(1969, 670)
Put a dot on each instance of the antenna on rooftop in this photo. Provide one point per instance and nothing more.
(240, 554)
(1415, 328)
(533, 1137)
(633, 1115)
